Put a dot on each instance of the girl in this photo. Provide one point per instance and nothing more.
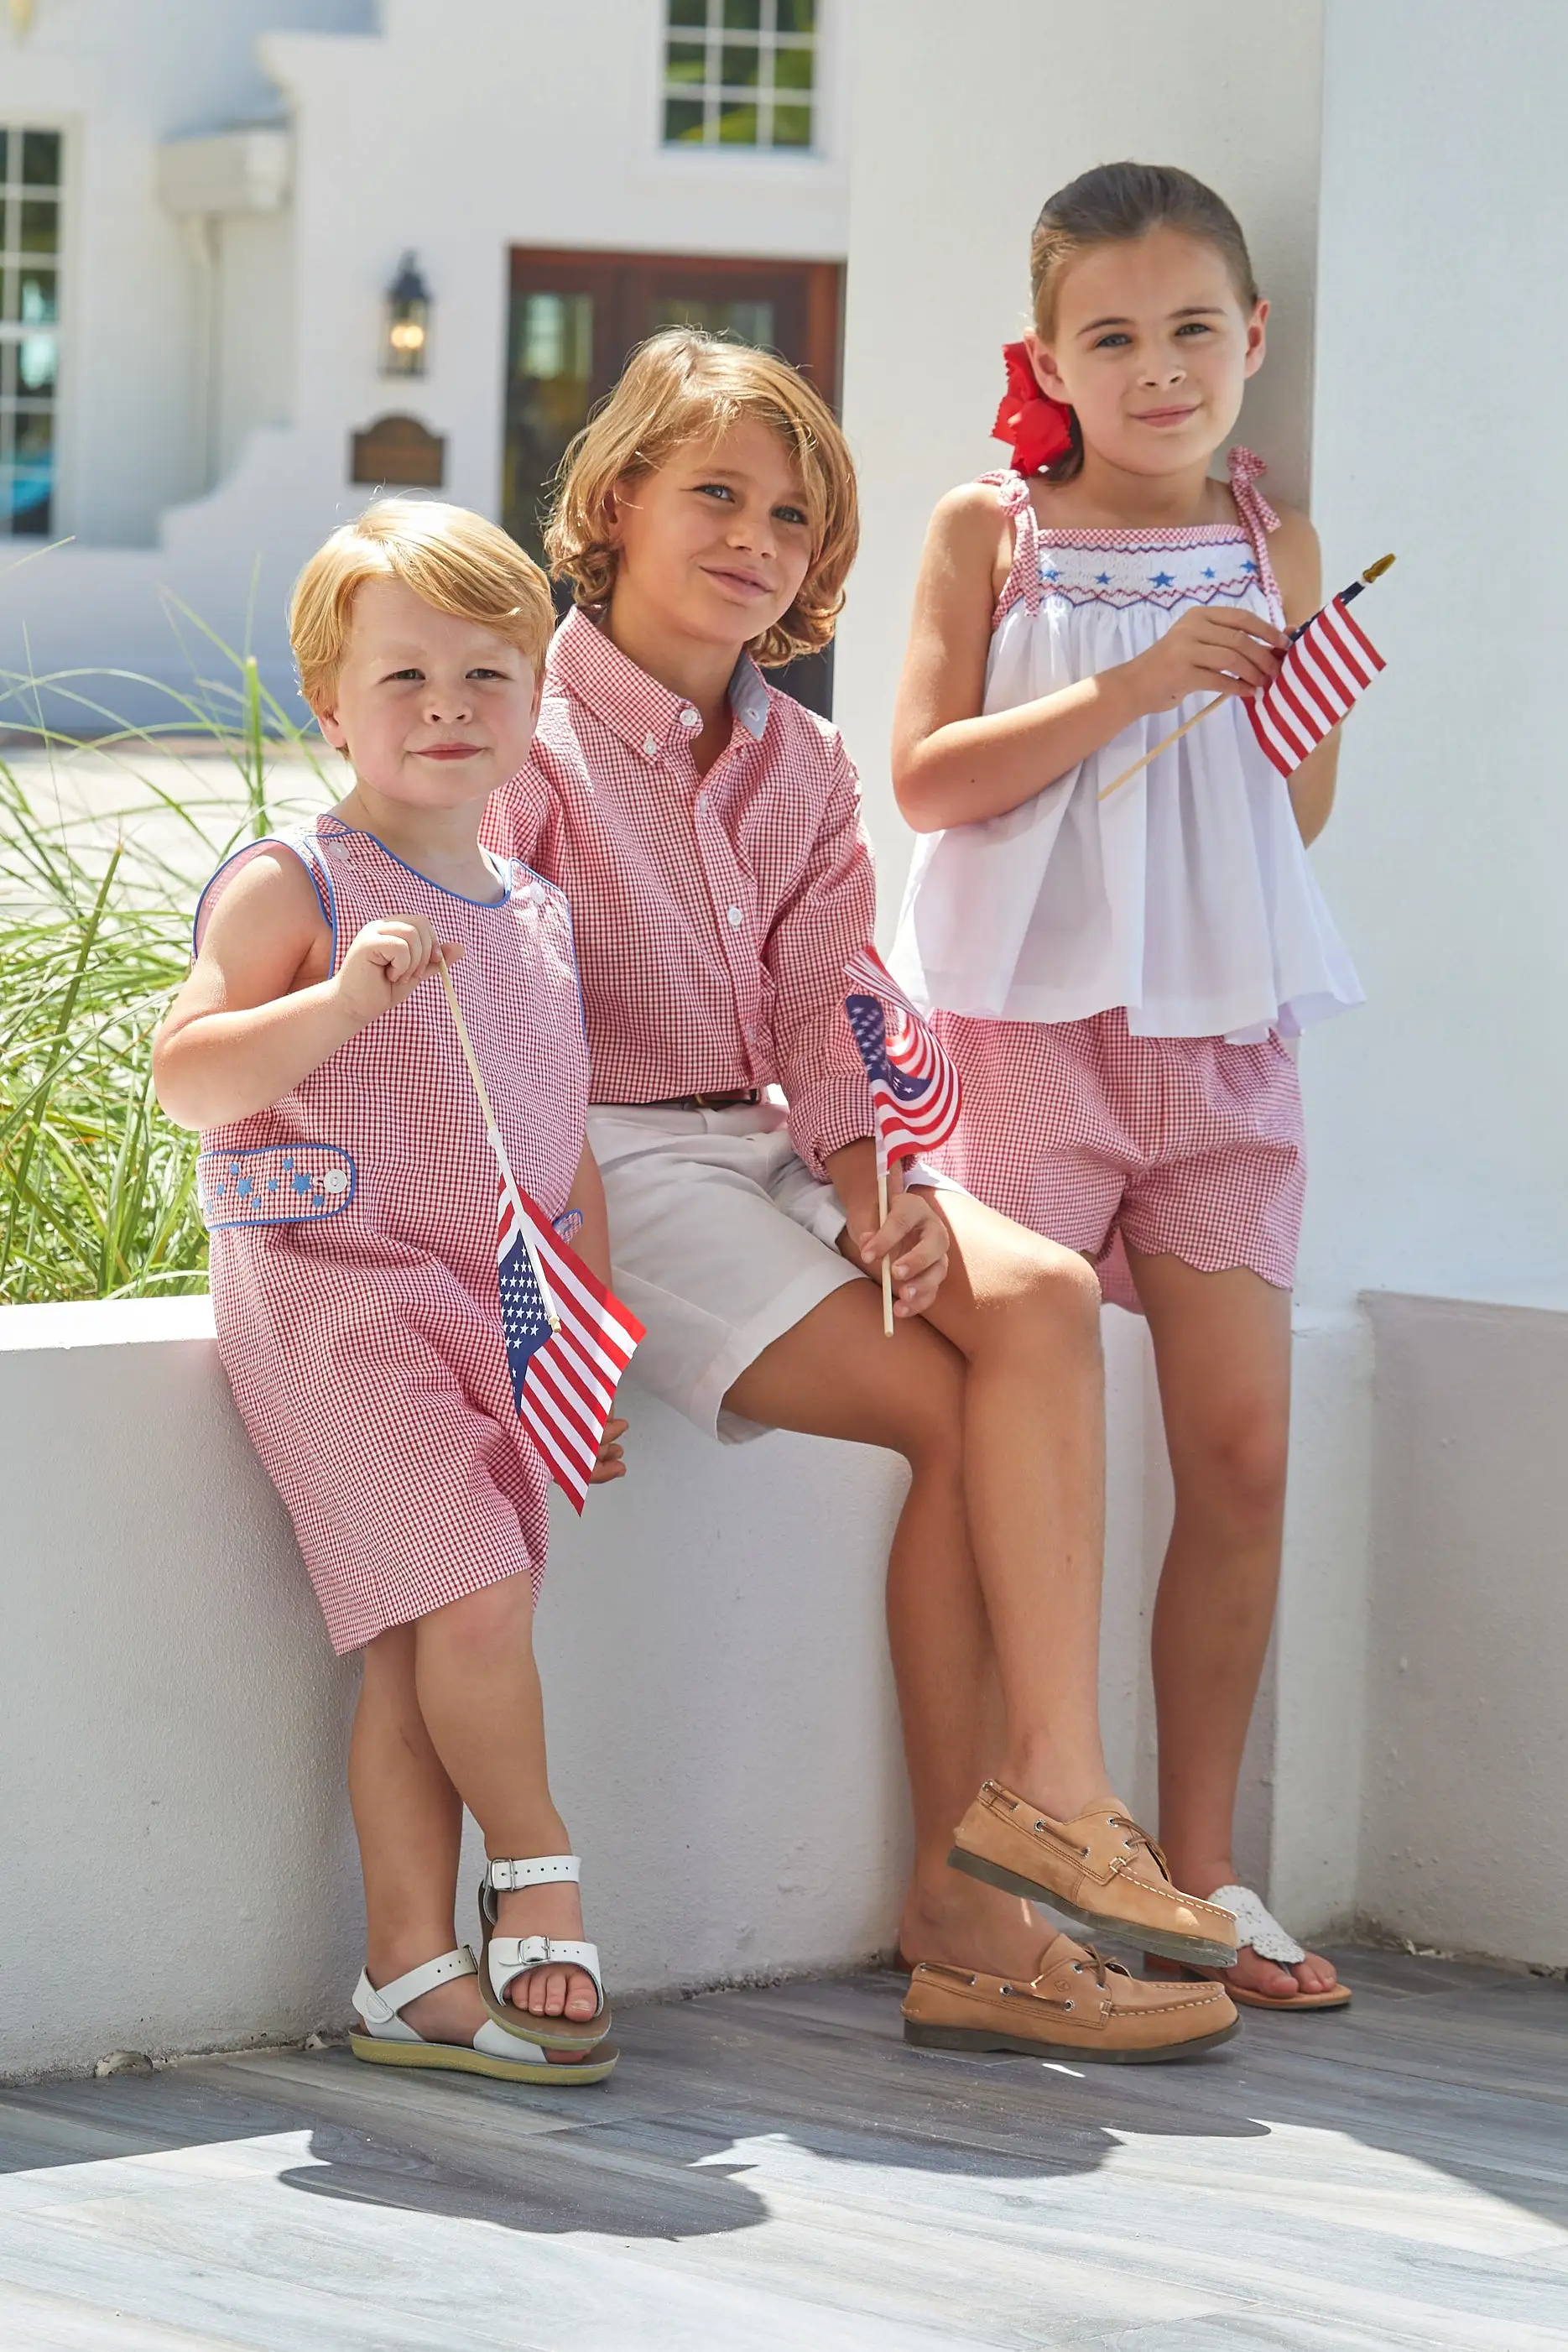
(350, 1190)
(707, 830)
(1115, 969)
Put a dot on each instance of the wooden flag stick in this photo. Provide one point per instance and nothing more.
(1138, 766)
(492, 1129)
(882, 1208)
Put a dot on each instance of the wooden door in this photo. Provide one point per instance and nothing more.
(575, 320)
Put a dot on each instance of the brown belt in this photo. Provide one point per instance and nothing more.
(740, 1099)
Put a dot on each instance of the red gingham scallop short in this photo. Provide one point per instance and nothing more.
(1181, 1145)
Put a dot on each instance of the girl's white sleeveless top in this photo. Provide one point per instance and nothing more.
(1184, 897)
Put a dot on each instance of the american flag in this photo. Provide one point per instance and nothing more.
(914, 1091)
(569, 1340)
(1327, 666)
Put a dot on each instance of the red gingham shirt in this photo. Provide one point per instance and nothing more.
(712, 913)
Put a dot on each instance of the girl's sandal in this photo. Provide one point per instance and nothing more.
(505, 1957)
(1257, 1927)
(494, 2051)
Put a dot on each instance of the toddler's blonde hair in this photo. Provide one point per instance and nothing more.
(681, 387)
(452, 559)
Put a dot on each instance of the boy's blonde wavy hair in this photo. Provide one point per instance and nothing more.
(452, 559)
(681, 387)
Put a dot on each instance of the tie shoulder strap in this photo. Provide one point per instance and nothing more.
(1258, 518)
(1022, 582)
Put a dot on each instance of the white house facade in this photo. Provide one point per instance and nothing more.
(207, 210)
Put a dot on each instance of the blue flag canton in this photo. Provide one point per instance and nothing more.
(523, 1317)
(868, 1030)
(869, 1026)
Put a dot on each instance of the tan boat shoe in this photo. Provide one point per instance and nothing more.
(1078, 2006)
(1100, 1869)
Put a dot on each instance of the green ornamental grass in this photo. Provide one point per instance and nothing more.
(102, 853)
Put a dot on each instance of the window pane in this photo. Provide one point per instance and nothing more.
(37, 357)
(4, 147)
(743, 15)
(7, 369)
(4, 228)
(683, 119)
(687, 61)
(41, 157)
(737, 126)
(688, 12)
(739, 68)
(39, 226)
(36, 306)
(792, 69)
(35, 432)
(553, 336)
(791, 126)
(796, 15)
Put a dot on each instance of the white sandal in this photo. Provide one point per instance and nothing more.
(506, 1957)
(494, 2051)
(1257, 1927)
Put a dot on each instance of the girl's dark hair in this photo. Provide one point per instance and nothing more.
(1116, 203)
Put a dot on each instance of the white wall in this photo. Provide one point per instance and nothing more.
(1468, 1741)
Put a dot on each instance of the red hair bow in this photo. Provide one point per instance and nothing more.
(1039, 429)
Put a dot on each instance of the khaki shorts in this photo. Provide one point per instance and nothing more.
(722, 1241)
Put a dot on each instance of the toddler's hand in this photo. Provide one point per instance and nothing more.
(611, 1462)
(1213, 649)
(915, 1239)
(386, 962)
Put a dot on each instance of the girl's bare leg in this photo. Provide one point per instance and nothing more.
(1222, 1351)
(835, 1375)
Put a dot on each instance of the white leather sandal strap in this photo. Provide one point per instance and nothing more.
(543, 1870)
(539, 1869)
(511, 1956)
(1257, 1925)
(499, 2041)
(380, 2007)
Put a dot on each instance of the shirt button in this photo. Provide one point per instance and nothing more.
(736, 918)
(651, 746)
(691, 717)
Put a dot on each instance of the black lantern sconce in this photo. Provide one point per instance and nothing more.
(405, 322)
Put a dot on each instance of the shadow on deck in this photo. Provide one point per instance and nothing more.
(774, 2171)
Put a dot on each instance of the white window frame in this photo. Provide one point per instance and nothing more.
(712, 90)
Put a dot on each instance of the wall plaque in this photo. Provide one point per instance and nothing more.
(399, 452)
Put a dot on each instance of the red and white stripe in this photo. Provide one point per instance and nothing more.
(1326, 668)
(904, 1127)
(568, 1394)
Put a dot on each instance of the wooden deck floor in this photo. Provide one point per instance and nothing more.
(774, 2171)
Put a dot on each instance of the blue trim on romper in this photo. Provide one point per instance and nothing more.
(486, 906)
(304, 846)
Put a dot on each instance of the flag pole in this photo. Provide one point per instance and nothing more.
(881, 1210)
(1362, 580)
(492, 1129)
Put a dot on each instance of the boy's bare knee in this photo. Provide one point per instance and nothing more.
(1241, 1467)
(1050, 1299)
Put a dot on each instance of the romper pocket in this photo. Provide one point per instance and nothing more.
(274, 1184)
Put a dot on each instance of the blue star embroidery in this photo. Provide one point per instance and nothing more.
(1208, 571)
(1248, 564)
(246, 1188)
(1101, 580)
(1162, 580)
(1049, 572)
(301, 1181)
(272, 1184)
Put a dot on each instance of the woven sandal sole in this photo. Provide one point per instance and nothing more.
(450, 2058)
(978, 2039)
(1199, 1949)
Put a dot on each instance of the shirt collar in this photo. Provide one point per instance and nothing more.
(645, 714)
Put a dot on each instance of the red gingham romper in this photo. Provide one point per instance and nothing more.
(353, 1247)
